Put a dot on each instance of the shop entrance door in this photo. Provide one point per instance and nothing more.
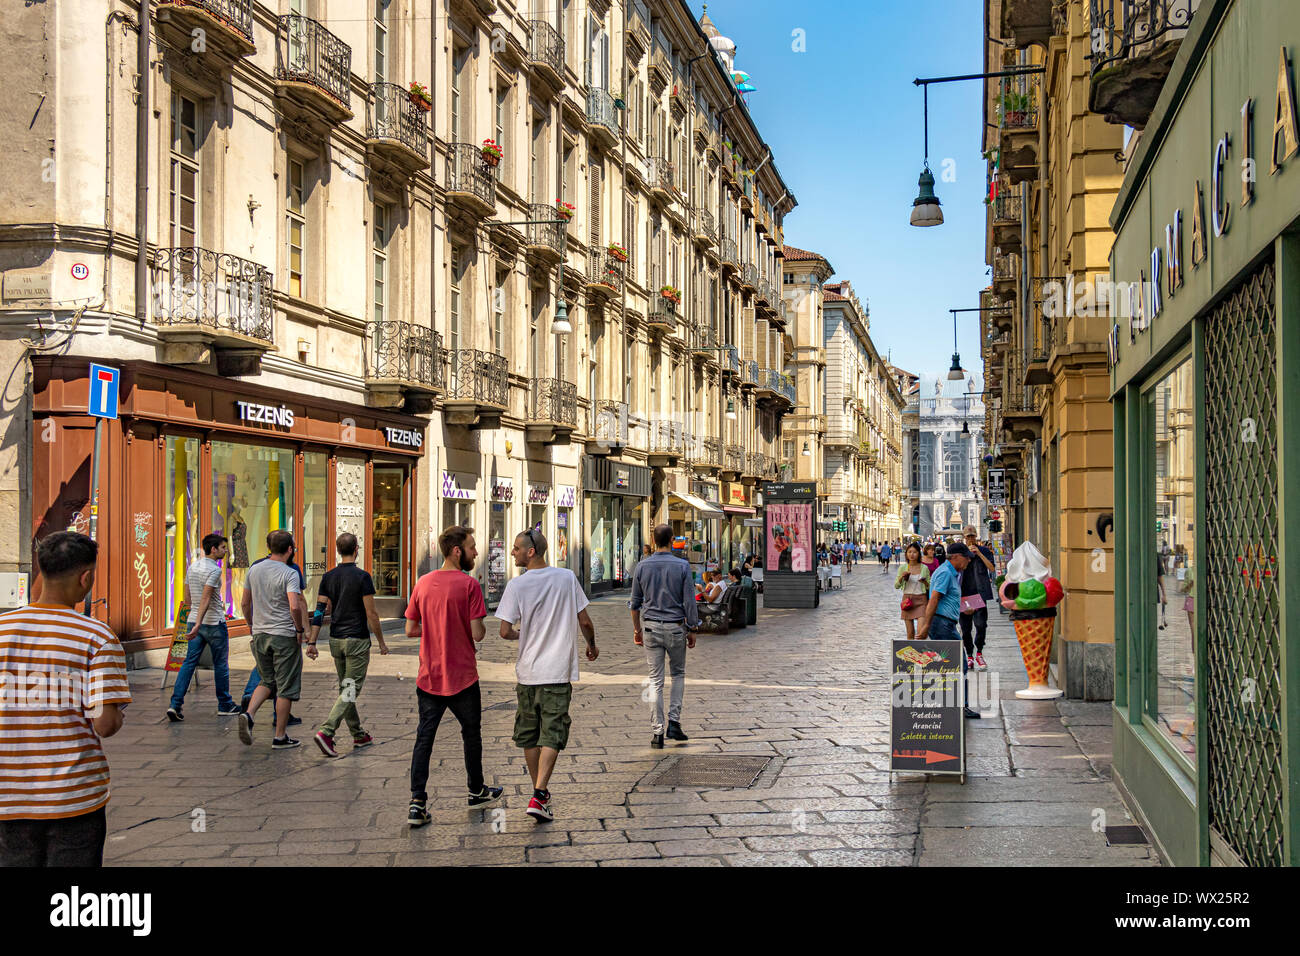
(388, 541)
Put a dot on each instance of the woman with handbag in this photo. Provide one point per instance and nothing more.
(914, 579)
(976, 592)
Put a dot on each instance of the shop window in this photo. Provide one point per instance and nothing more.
(456, 511)
(498, 551)
(602, 523)
(1171, 689)
(563, 524)
(389, 540)
(315, 548)
(252, 495)
(181, 526)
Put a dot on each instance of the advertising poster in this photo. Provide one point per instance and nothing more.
(180, 643)
(496, 569)
(789, 537)
(927, 697)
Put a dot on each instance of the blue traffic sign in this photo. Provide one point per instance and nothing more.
(103, 391)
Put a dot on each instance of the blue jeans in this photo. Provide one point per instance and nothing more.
(216, 637)
(254, 679)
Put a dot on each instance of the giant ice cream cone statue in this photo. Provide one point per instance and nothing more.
(1031, 594)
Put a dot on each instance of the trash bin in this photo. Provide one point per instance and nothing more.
(751, 606)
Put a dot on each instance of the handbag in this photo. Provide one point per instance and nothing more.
(970, 603)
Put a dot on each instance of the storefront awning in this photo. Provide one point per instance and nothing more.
(705, 509)
(738, 510)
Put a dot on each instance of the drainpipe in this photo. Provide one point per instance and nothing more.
(142, 169)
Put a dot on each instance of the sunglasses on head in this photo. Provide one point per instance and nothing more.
(531, 539)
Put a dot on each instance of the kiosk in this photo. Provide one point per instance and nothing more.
(789, 546)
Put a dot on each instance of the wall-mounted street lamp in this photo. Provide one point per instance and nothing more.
(560, 324)
(925, 208)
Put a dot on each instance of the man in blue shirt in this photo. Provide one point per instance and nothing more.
(944, 609)
(664, 621)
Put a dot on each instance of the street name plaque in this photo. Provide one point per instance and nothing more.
(926, 723)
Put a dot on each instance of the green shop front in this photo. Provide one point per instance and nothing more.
(1205, 356)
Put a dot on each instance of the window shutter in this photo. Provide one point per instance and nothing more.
(593, 191)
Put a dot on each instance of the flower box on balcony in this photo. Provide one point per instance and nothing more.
(616, 252)
(420, 98)
(564, 210)
(491, 153)
(671, 294)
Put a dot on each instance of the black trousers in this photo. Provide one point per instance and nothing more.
(467, 706)
(73, 841)
(980, 620)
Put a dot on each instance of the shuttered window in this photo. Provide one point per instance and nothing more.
(594, 185)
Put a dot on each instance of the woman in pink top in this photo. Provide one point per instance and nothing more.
(928, 558)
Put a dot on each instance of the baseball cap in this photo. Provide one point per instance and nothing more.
(957, 548)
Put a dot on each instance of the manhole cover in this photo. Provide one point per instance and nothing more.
(705, 771)
(1126, 835)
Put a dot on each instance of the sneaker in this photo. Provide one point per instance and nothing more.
(979, 661)
(246, 729)
(364, 741)
(293, 721)
(970, 663)
(326, 744)
(540, 809)
(417, 815)
(247, 699)
(485, 796)
(284, 743)
(174, 715)
(229, 710)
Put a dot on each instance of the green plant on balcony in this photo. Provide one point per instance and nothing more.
(1015, 107)
(671, 294)
(491, 153)
(420, 96)
(564, 210)
(616, 252)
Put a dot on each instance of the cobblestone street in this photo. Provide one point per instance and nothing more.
(807, 688)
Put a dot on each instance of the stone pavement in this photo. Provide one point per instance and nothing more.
(807, 688)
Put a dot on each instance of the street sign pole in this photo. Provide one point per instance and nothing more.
(101, 402)
(94, 497)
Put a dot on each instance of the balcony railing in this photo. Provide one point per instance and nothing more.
(308, 53)
(727, 251)
(609, 423)
(555, 401)
(546, 47)
(468, 174)
(660, 175)
(749, 276)
(601, 114)
(708, 454)
(749, 372)
(733, 458)
(217, 291)
(393, 117)
(703, 339)
(1006, 206)
(605, 273)
(404, 352)
(1018, 107)
(545, 230)
(478, 377)
(729, 358)
(667, 438)
(235, 14)
(1005, 269)
(1134, 43)
(706, 230)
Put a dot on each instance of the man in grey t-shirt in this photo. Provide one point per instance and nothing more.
(276, 613)
(207, 628)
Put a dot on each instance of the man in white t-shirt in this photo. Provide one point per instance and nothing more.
(207, 628)
(546, 603)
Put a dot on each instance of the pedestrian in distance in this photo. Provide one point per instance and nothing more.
(976, 593)
(53, 812)
(446, 613)
(347, 595)
(276, 613)
(886, 552)
(914, 579)
(207, 628)
(944, 607)
(664, 622)
(928, 559)
(549, 608)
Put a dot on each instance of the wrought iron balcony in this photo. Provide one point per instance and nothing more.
(748, 373)
(703, 341)
(608, 430)
(396, 128)
(605, 275)
(227, 23)
(733, 459)
(545, 236)
(224, 298)
(749, 277)
(315, 65)
(708, 455)
(1018, 107)
(1134, 43)
(471, 183)
(554, 403)
(602, 117)
(667, 443)
(477, 388)
(1006, 271)
(728, 255)
(729, 359)
(546, 51)
(660, 178)
(663, 315)
(403, 362)
(706, 229)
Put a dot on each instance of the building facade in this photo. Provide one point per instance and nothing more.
(448, 261)
(1206, 325)
(803, 431)
(864, 424)
(943, 451)
(1054, 166)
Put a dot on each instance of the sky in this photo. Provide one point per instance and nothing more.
(844, 122)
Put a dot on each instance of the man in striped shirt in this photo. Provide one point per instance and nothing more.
(63, 687)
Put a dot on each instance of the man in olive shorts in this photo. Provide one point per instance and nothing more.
(547, 603)
(276, 613)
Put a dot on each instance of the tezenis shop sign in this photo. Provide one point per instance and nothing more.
(266, 414)
(1145, 299)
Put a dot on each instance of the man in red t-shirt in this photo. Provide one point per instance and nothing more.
(446, 613)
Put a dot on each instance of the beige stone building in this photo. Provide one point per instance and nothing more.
(1054, 168)
(334, 305)
(804, 429)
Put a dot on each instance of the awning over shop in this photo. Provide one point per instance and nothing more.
(705, 509)
(738, 510)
